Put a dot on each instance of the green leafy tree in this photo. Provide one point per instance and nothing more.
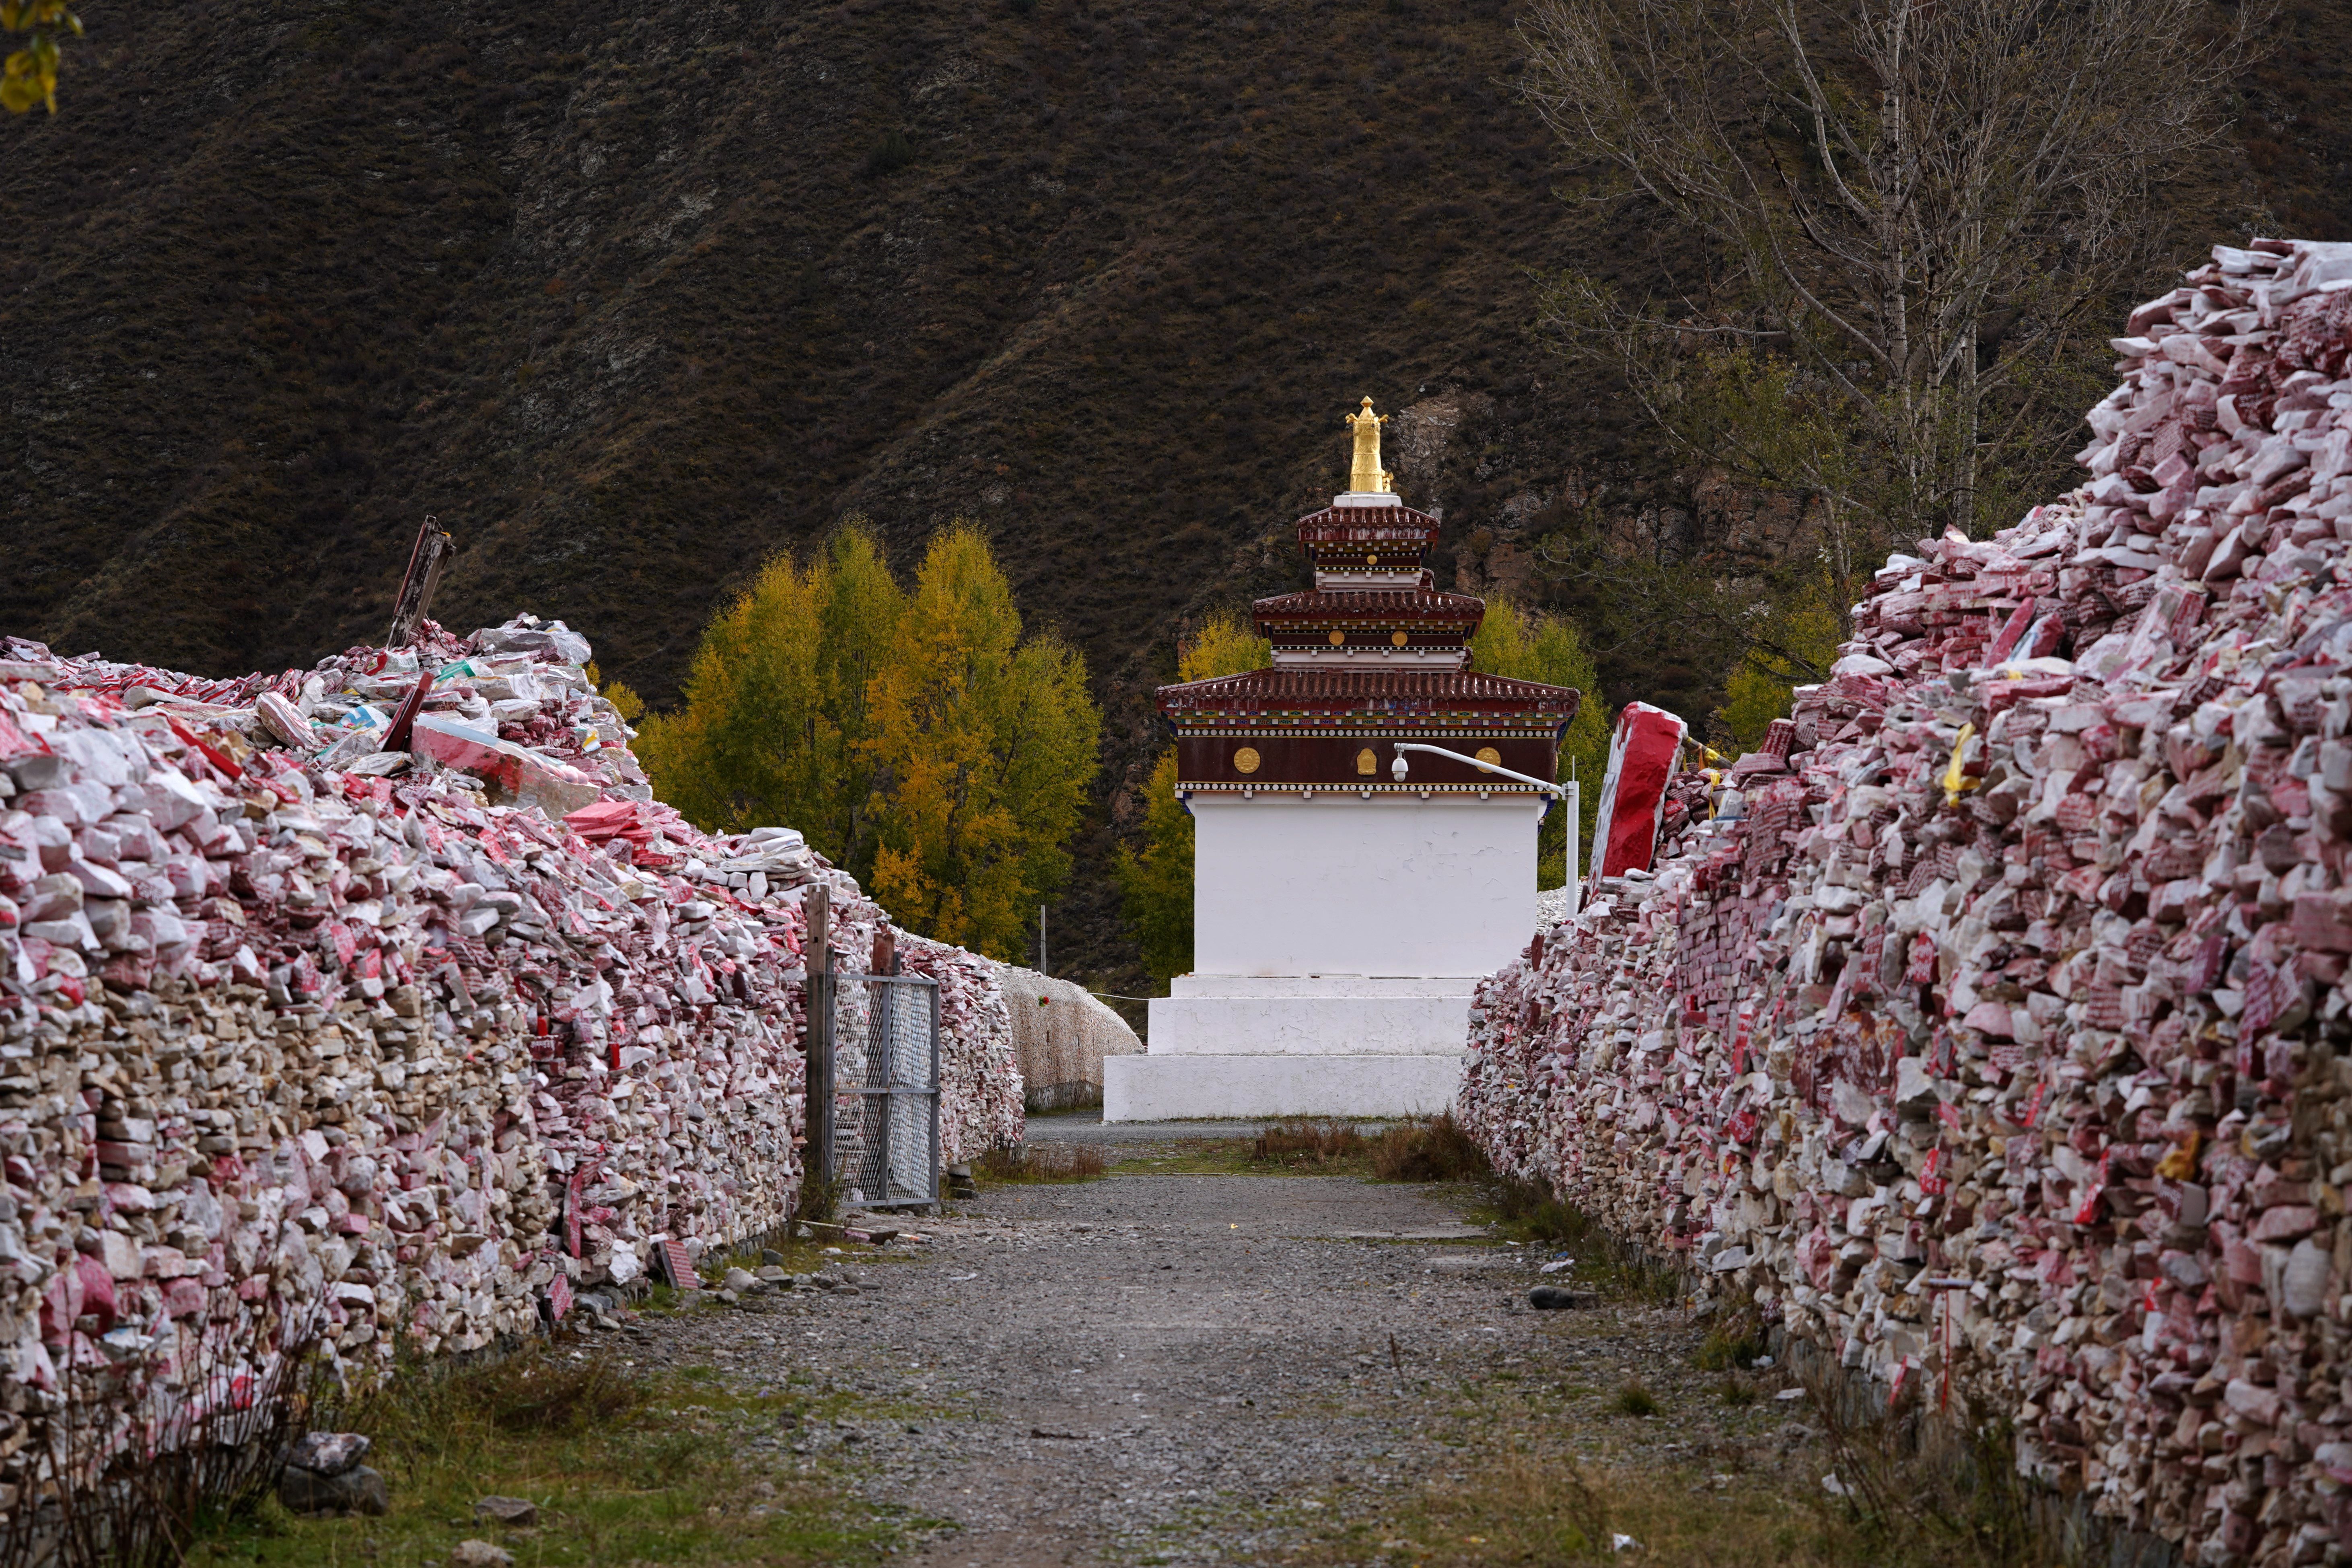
(1529, 646)
(1764, 681)
(1156, 885)
(918, 740)
(1909, 224)
(620, 694)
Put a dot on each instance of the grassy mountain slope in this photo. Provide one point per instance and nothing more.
(631, 303)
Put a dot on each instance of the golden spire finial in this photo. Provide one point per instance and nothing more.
(1365, 478)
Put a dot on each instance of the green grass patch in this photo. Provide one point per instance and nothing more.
(1633, 1399)
(1521, 1486)
(1731, 1345)
(1527, 1211)
(1425, 1150)
(625, 1466)
(1553, 1511)
(1204, 1156)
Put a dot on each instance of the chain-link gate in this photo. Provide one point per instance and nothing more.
(886, 1089)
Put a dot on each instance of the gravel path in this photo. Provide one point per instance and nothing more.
(1191, 1370)
(1088, 1127)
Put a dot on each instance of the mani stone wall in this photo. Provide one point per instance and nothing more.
(1062, 1032)
(309, 1045)
(2001, 1006)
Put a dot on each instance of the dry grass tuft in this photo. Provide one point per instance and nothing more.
(1905, 1478)
(1434, 1149)
(1040, 1162)
(1635, 1400)
(535, 1394)
(1308, 1144)
(1731, 1344)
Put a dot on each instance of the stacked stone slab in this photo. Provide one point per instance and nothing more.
(1991, 1035)
(303, 1043)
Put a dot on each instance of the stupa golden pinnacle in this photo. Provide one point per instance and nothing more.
(1366, 476)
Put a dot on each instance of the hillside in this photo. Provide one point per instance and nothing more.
(629, 304)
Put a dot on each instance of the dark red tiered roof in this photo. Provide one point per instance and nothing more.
(1371, 605)
(1367, 524)
(1378, 695)
(1381, 539)
(1309, 725)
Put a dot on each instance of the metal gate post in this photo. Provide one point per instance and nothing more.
(881, 1038)
(902, 1069)
(938, 1092)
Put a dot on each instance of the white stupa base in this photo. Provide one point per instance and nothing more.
(1189, 1088)
(1321, 1045)
(1366, 499)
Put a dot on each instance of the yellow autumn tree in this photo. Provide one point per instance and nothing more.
(1529, 646)
(776, 716)
(984, 746)
(1763, 682)
(30, 73)
(1156, 886)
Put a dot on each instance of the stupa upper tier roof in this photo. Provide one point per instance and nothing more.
(1318, 606)
(1377, 694)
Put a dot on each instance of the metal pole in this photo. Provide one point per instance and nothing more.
(817, 960)
(882, 1033)
(1556, 790)
(1574, 805)
(933, 994)
(1041, 941)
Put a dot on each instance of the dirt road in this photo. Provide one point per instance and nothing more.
(1203, 1369)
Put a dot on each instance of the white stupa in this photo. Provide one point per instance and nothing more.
(1345, 905)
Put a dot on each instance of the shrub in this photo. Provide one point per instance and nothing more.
(892, 153)
(1308, 1144)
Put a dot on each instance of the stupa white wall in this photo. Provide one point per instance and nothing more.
(1335, 884)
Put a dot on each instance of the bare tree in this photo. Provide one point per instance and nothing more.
(1919, 213)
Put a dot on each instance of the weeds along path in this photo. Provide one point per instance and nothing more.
(1195, 1369)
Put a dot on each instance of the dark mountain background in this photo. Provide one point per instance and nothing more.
(631, 303)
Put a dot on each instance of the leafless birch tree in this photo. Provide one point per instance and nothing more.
(1918, 213)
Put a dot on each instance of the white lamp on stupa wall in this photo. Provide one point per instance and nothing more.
(1345, 907)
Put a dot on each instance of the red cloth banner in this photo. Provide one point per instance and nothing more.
(1641, 760)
